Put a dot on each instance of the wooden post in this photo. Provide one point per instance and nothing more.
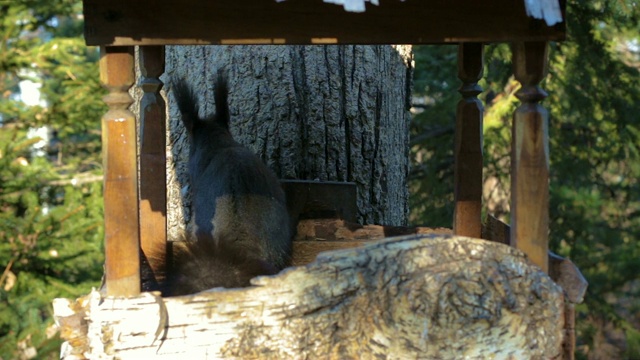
(468, 143)
(530, 155)
(121, 174)
(153, 191)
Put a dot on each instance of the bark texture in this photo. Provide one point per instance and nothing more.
(421, 296)
(331, 113)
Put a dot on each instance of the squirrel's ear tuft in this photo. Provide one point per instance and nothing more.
(187, 104)
(222, 100)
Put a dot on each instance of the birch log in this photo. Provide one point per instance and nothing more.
(420, 296)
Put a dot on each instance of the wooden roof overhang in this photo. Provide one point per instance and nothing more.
(118, 25)
(189, 22)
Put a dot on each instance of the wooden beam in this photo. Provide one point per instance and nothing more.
(467, 218)
(530, 155)
(121, 174)
(153, 188)
(121, 22)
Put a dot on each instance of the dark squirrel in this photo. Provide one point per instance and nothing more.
(241, 225)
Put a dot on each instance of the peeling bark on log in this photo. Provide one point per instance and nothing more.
(563, 271)
(421, 296)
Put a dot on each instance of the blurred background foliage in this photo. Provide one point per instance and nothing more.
(50, 171)
(51, 191)
(594, 129)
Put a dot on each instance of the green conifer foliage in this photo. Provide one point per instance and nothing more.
(50, 200)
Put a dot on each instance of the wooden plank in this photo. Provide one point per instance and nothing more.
(495, 230)
(530, 155)
(467, 218)
(340, 230)
(160, 22)
(153, 189)
(569, 344)
(314, 236)
(121, 174)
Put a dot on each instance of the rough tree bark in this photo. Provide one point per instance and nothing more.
(331, 113)
(421, 296)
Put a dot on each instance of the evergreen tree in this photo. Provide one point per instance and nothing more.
(50, 199)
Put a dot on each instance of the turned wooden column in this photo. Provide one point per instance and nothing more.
(153, 191)
(121, 174)
(468, 143)
(530, 155)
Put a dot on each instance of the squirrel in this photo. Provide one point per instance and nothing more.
(241, 225)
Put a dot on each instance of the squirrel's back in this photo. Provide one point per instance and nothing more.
(241, 225)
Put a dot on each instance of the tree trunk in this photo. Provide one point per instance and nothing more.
(331, 113)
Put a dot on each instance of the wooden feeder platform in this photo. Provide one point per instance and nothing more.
(427, 293)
